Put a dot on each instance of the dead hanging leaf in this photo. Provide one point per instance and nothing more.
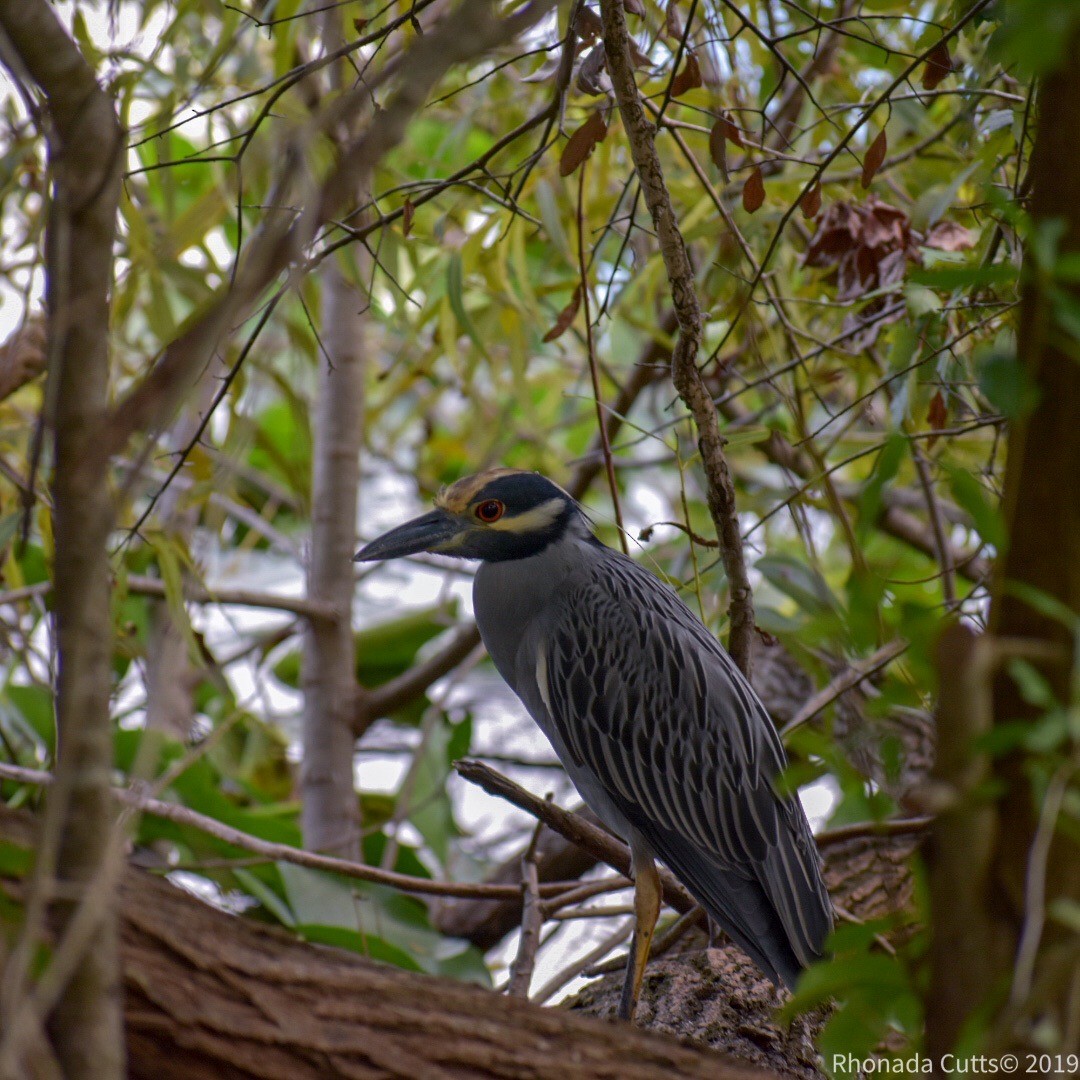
(718, 148)
(566, 316)
(359, 24)
(710, 70)
(582, 143)
(938, 65)
(673, 23)
(810, 203)
(588, 25)
(592, 77)
(867, 247)
(753, 192)
(936, 417)
(948, 236)
(875, 157)
(407, 211)
(731, 131)
(638, 55)
(634, 7)
(687, 79)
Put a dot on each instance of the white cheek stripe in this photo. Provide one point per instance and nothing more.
(535, 520)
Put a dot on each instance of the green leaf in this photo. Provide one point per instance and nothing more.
(385, 650)
(374, 948)
(948, 278)
(802, 583)
(972, 497)
(456, 295)
(35, 706)
(1006, 383)
(885, 469)
(266, 896)
(921, 300)
(15, 861)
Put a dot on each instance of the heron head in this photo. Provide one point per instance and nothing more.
(494, 515)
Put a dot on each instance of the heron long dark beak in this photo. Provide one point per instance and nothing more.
(425, 533)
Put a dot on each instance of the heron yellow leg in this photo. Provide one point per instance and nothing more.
(647, 896)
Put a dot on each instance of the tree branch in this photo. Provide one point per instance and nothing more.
(685, 375)
(471, 30)
(208, 994)
(274, 852)
(86, 152)
(601, 844)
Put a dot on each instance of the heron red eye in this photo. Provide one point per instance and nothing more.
(490, 511)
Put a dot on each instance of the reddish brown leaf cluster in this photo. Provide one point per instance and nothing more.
(869, 245)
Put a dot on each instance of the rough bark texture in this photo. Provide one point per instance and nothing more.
(211, 995)
(86, 152)
(963, 944)
(717, 997)
(1042, 512)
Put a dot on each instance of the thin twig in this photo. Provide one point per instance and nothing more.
(597, 842)
(845, 681)
(532, 921)
(182, 815)
(685, 375)
(605, 442)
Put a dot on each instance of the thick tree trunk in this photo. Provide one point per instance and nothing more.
(86, 154)
(999, 867)
(212, 995)
(1042, 512)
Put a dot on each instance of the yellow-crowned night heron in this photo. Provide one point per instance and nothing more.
(658, 729)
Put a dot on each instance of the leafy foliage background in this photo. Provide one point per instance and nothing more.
(859, 343)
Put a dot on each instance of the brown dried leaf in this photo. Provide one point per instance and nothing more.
(718, 148)
(731, 131)
(948, 236)
(753, 192)
(710, 70)
(588, 25)
(673, 23)
(938, 414)
(566, 316)
(938, 65)
(810, 203)
(407, 211)
(875, 157)
(638, 55)
(359, 24)
(687, 79)
(582, 143)
(634, 7)
(544, 73)
(592, 78)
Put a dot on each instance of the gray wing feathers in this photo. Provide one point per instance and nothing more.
(644, 698)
